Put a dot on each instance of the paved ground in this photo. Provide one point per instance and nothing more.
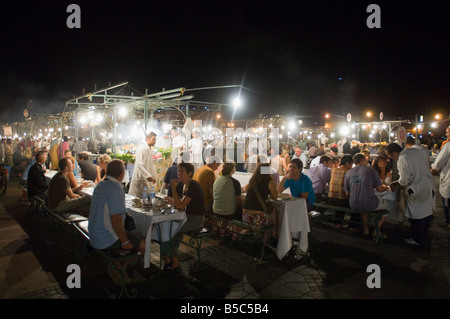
(34, 259)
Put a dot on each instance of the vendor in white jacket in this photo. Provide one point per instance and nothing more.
(415, 176)
(144, 169)
(442, 164)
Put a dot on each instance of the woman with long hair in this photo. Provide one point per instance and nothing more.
(261, 185)
(380, 165)
(188, 196)
(102, 163)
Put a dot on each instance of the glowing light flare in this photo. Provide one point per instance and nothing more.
(237, 102)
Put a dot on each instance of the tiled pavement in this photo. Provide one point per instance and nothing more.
(33, 261)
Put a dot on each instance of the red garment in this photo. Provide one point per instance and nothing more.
(65, 147)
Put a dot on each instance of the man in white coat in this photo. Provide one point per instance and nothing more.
(144, 169)
(415, 176)
(195, 146)
(442, 164)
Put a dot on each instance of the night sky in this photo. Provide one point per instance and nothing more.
(301, 57)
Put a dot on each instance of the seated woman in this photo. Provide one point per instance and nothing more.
(72, 175)
(256, 211)
(227, 203)
(385, 174)
(188, 196)
(103, 162)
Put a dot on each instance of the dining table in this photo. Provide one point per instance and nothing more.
(158, 223)
(293, 224)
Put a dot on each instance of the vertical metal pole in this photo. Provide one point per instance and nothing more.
(145, 112)
(76, 123)
(115, 130)
(61, 135)
(417, 129)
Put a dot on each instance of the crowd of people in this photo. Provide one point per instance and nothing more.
(347, 178)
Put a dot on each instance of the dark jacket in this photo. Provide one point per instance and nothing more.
(36, 182)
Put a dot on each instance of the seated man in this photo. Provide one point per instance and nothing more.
(359, 185)
(107, 215)
(88, 169)
(206, 176)
(36, 182)
(61, 197)
(320, 177)
(299, 184)
(336, 194)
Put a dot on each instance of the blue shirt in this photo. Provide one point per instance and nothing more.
(108, 199)
(302, 185)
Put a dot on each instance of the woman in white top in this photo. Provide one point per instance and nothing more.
(380, 166)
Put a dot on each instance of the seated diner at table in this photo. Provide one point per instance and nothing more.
(256, 210)
(299, 184)
(107, 216)
(36, 182)
(61, 196)
(102, 162)
(88, 169)
(227, 203)
(74, 174)
(188, 196)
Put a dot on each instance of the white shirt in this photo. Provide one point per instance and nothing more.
(196, 149)
(442, 164)
(143, 169)
(163, 142)
(424, 150)
(415, 175)
(340, 146)
(178, 141)
(315, 162)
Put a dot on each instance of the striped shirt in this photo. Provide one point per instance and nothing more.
(336, 189)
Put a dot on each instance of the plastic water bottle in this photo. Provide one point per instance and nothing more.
(145, 196)
(152, 195)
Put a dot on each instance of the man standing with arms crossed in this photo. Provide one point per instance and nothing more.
(144, 168)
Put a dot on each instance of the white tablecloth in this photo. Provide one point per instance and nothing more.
(293, 222)
(395, 208)
(147, 220)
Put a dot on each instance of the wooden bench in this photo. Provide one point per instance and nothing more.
(195, 239)
(257, 234)
(376, 216)
(118, 260)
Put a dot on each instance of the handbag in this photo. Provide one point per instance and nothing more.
(129, 223)
(261, 201)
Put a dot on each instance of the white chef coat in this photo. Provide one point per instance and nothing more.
(196, 149)
(442, 164)
(415, 175)
(143, 168)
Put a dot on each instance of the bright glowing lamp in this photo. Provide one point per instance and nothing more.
(237, 102)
